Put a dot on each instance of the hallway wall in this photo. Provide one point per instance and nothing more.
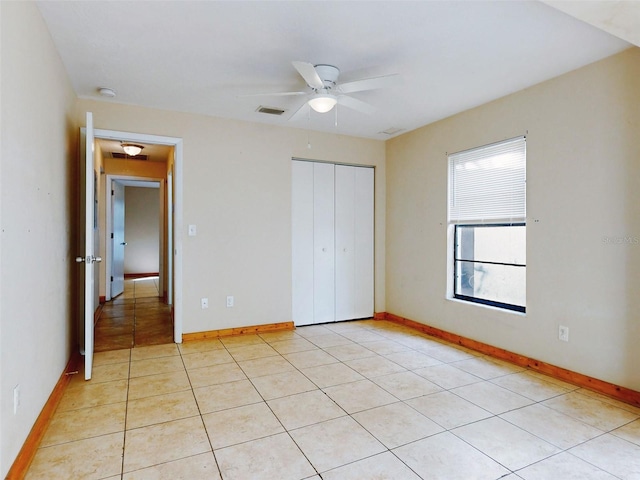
(142, 230)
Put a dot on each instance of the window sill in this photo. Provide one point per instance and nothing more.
(490, 307)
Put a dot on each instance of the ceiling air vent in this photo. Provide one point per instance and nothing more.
(392, 131)
(270, 110)
(127, 157)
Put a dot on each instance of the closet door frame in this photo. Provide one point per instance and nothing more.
(302, 242)
(332, 249)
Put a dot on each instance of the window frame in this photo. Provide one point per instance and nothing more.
(479, 300)
(461, 213)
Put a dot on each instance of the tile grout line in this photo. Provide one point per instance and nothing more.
(445, 429)
(126, 413)
(195, 399)
(489, 380)
(347, 414)
(535, 402)
(485, 381)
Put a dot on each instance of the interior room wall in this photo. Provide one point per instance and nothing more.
(142, 230)
(237, 191)
(38, 198)
(583, 221)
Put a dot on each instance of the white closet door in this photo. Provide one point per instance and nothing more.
(323, 243)
(302, 242)
(364, 246)
(345, 222)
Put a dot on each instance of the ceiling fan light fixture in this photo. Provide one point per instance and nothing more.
(323, 102)
(131, 149)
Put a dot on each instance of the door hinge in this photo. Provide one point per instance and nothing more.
(112, 192)
(112, 278)
(112, 235)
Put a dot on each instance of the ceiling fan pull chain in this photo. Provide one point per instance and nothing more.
(308, 125)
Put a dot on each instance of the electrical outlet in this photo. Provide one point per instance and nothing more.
(563, 333)
(204, 303)
(16, 399)
(229, 301)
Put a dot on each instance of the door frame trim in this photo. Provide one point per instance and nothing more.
(109, 226)
(176, 142)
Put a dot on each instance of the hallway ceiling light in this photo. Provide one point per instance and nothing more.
(131, 149)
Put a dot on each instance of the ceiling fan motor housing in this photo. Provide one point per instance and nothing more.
(328, 74)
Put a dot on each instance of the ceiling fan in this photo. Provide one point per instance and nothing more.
(326, 92)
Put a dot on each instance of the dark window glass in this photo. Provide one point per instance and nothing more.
(490, 264)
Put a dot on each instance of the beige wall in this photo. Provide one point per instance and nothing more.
(142, 229)
(583, 192)
(38, 173)
(134, 168)
(237, 190)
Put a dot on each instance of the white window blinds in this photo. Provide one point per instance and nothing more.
(488, 184)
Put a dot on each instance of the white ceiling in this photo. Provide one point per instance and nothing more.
(199, 56)
(620, 18)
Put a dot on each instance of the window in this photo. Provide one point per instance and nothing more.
(487, 210)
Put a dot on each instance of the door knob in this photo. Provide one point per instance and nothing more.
(90, 259)
(123, 243)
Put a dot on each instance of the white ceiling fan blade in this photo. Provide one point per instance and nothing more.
(277, 94)
(308, 72)
(356, 104)
(369, 83)
(301, 113)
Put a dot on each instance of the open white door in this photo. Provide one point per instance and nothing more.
(117, 239)
(89, 184)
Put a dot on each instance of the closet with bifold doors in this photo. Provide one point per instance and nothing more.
(332, 240)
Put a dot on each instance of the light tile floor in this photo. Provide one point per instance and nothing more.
(356, 400)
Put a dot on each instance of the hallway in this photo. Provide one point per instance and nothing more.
(135, 318)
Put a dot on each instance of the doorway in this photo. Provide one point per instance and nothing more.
(137, 231)
(136, 311)
(151, 297)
